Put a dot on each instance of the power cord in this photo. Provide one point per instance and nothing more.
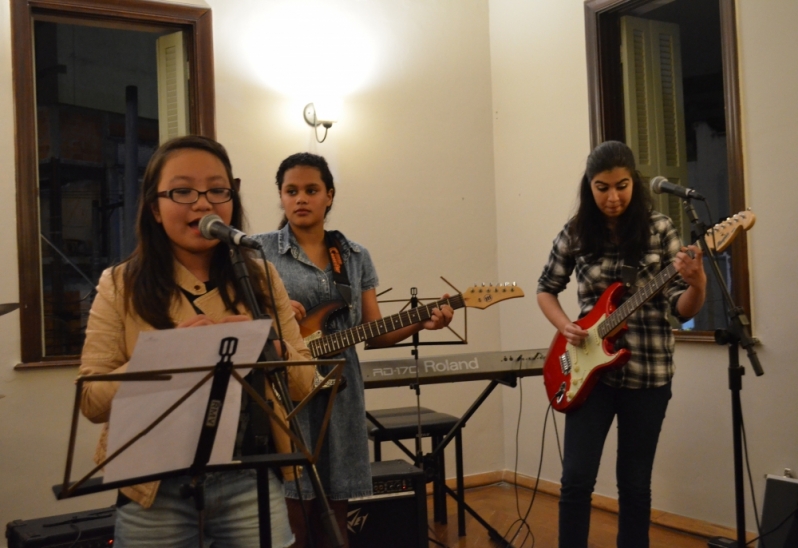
(521, 523)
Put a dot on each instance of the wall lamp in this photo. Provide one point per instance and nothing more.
(315, 120)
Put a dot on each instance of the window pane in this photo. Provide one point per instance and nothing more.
(97, 118)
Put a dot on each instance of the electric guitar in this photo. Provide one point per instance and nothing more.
(313, 327)
(570, 372)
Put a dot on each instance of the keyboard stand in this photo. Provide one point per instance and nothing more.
(509, 379)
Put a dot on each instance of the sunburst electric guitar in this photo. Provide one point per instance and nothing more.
(570, 372)
(321, 344)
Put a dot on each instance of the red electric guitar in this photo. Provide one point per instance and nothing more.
(313, 326)
(570, 372)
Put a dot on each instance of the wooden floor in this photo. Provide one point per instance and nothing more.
(496, 504)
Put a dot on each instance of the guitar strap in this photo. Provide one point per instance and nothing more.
(630, 268)
(340, 277)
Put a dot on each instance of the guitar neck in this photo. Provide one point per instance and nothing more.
(637, 300)
(359, 333)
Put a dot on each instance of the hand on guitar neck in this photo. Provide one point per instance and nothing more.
(435, 315)
(440, 317)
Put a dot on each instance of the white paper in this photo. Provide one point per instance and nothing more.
(172, 444)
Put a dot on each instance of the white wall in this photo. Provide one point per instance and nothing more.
(541, 141)
(413, 160)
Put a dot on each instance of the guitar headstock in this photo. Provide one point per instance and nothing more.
(482, 296)
(720, 236)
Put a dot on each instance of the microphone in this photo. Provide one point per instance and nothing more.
(660, 184)
(213, 228)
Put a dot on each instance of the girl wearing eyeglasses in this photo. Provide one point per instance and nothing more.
(175, 278)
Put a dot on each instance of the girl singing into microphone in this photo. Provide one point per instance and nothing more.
(176, 278)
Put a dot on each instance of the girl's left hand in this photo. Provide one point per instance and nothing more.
(441, 317)
(236, 318)
(691, 268)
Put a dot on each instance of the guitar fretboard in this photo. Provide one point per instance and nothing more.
(349, 337)
(637, 300)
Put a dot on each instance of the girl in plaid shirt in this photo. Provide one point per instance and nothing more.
(615, 225)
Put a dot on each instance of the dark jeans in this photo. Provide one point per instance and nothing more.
(640, 414)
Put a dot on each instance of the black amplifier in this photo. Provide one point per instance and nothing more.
(90, 529)
(396, 515)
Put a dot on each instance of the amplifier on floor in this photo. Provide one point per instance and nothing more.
(90, 529)
(779, 513)
(396, 515)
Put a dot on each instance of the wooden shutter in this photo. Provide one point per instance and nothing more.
(172, 87)
(654, 107)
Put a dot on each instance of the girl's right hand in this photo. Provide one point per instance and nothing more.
(202, 319)
(299, 310)
(573, 333)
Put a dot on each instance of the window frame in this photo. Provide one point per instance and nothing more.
(197, 24)
(605, 91)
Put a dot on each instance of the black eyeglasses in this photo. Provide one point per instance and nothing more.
(191, 195)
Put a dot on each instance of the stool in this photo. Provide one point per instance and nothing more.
(402, 423)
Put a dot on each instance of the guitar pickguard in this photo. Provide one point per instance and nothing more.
(313, 336)
(581, 360)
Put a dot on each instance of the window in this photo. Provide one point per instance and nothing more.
(705, 129)
(60, 194)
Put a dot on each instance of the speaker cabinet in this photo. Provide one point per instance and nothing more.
(396, 515)
(779, 513)
(90, 529)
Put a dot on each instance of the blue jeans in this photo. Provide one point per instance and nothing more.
(640, 414)
(231, 515)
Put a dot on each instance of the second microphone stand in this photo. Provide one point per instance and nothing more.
(278, 381)
(735, 335)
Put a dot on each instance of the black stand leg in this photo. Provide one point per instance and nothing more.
(735, 386)
(458, 444)
(264, 509)
(456, 433)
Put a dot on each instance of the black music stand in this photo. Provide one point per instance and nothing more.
(220, 375)
(428, 461)
(5, 308)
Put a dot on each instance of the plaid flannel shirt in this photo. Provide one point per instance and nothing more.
(650, 335)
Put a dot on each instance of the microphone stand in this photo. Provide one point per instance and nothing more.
(278, 380)
(416, 386)
(735, 335)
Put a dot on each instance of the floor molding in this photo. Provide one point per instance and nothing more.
(609, 504)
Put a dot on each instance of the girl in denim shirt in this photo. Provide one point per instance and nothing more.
(300, 253)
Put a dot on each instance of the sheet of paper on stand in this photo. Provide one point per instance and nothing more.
(171, 445)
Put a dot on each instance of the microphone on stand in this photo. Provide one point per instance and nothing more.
(660, 184)
(213, 228)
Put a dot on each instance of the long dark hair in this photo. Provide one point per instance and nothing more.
(305, 159)
(589, 226)
(149, 276)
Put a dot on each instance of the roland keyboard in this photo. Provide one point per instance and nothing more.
(453, 368)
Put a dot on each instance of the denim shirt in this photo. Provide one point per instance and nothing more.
(311, 286)
(344, 463)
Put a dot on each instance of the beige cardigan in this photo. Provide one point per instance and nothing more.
(113, 330)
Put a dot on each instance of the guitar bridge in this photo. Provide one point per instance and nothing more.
(565, 363)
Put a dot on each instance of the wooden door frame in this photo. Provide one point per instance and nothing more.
(199, 45)
(605, 89)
